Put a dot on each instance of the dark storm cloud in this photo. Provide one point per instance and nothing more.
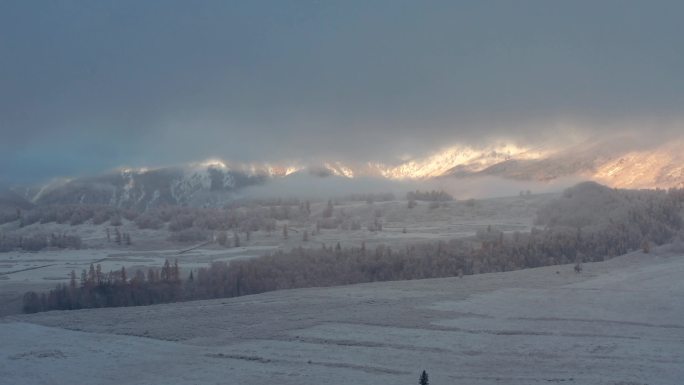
(88, 85)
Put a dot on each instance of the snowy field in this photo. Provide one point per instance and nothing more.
(618, 322)
(24, 271)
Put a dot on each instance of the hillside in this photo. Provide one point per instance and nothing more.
(143, 189)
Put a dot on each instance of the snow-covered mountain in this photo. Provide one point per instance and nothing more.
(660, 167)
(216, 181)
(616, 164)
(456, 161)
(143, 188)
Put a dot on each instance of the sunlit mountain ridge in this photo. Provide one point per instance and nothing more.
(215, 180)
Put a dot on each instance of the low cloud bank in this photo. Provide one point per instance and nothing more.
(314, 187)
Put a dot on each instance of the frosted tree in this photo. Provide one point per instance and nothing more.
(91, 274)
(99, 277)
(222, 238)
(236, 239)
(328, 212)
(646, 246)
(72, 280)
(175, 272)
(423, 380)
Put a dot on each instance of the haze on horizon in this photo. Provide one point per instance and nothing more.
(91, 85)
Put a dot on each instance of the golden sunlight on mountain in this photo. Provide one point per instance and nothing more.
(602, 161)
(659, 167)
(339, 169)
(213, 163)
(466, 158)
(278, 170)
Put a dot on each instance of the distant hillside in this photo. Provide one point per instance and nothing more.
(10, 200)
(142, 189)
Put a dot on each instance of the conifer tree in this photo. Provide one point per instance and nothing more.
(72, 280)
(176, 271)
(91, 274)
(423, 380)
(84, 278)
(98, 274)
(328, 212)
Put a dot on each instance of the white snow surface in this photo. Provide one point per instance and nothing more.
(618, 322)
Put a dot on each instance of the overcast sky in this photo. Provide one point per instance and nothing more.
(91, 85)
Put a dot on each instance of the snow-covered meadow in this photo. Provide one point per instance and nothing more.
(618, 322)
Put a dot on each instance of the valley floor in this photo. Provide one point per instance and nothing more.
(40, 271)
(618, 322)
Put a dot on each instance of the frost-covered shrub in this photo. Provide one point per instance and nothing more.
(149, 220)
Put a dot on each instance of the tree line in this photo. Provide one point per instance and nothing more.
(37, 242)
(430, 196)
(96, 289)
